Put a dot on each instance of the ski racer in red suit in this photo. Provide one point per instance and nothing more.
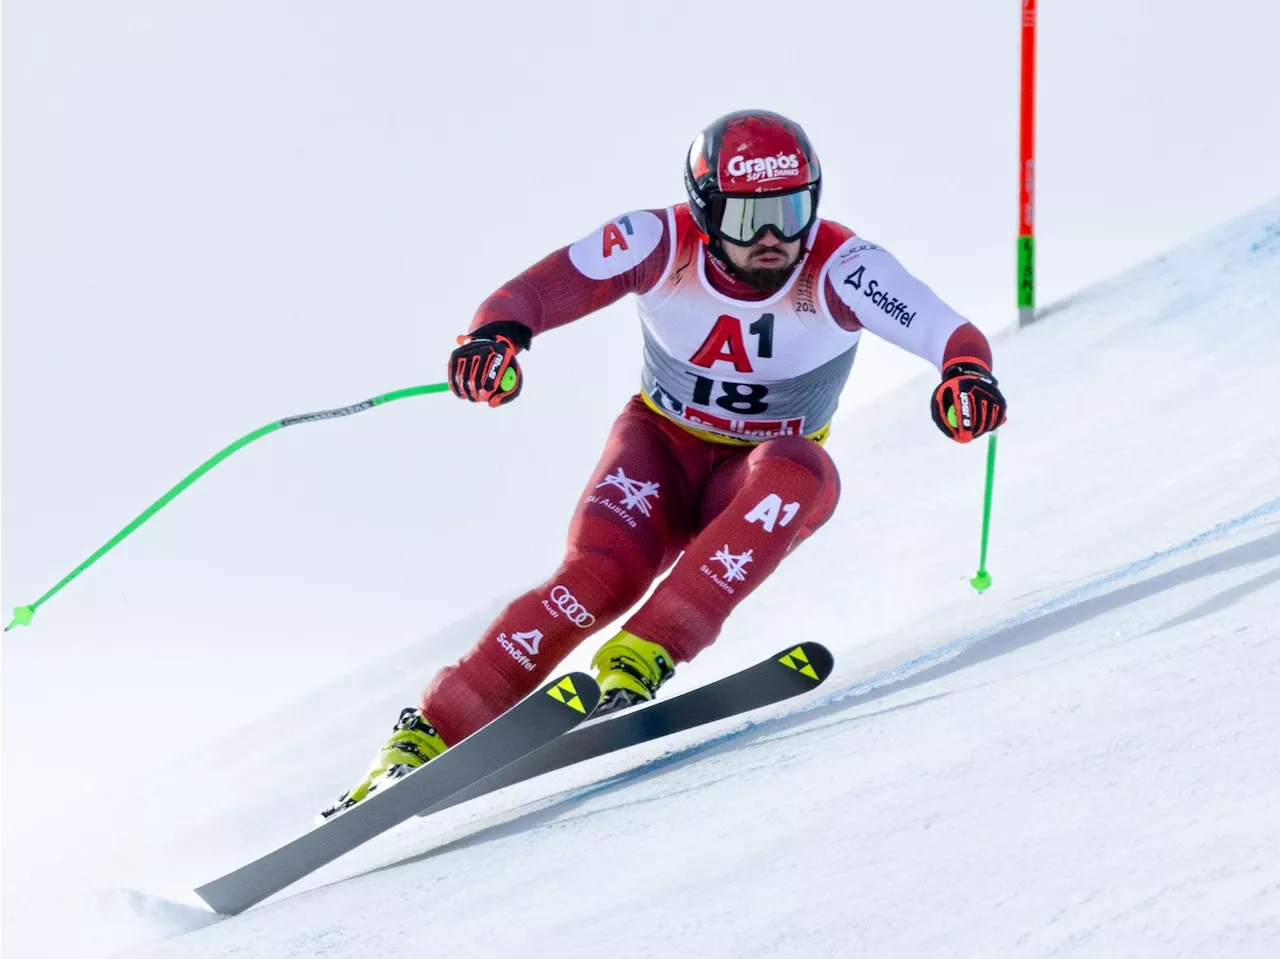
(752, 309)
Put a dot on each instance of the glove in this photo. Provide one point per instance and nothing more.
(968, 402)
(483, 369)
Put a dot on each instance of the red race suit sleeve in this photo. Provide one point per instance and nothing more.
(627, 254)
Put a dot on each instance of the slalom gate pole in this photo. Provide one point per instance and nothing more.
(1027, 171)
(22, 615)
(982, 579)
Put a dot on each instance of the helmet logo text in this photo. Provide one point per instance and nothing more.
(764, 168)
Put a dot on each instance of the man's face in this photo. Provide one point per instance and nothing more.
(765, 264)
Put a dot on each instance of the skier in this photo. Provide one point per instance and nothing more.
(752, 309)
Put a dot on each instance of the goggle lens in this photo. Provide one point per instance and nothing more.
(744, 219)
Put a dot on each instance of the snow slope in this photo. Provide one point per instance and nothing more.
(1080, 762)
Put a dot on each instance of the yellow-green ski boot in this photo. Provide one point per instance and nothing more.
(630, 671)
(413, 742)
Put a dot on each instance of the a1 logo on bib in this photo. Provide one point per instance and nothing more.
(771, 511)
(726, 344)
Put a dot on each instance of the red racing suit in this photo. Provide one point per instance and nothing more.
(715, 470)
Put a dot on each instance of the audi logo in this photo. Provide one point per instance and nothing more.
(568, 604)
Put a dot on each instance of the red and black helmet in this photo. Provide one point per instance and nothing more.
(749, 172)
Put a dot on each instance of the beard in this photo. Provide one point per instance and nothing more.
(766, 279)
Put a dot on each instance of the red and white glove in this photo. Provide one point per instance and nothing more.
(483, 369)
(968, 402)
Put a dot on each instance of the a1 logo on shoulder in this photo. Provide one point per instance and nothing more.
(618, 246)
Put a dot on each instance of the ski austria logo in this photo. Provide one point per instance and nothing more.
(567, 603)
(735, 567)
(635, 493)
(763, 169)
(521, 644)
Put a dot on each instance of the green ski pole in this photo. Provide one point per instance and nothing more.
(22, 615)
(982, 579)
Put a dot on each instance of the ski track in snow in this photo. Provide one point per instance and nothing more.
(963, 786)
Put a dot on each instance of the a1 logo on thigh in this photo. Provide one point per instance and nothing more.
(771, 511)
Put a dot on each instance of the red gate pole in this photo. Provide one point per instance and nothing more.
(1026, 171)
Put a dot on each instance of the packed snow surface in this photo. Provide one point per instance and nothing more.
(1081, 762)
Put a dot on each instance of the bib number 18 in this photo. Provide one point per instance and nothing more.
(745, 399)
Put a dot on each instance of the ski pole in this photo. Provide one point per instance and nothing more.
(22, 614)
(982, 579)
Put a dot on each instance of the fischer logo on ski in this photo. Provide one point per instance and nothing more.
(797, 655)
(565, 686)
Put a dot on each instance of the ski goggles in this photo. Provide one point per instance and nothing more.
(744, 219)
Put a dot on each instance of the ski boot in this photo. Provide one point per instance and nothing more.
(630, 671)
(413, 742)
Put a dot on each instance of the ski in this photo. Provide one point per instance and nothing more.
(548, 713)
(790, 672)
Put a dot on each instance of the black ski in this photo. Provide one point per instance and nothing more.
(794, 670)
(539, 718)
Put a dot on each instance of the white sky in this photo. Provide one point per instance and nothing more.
(219, 214)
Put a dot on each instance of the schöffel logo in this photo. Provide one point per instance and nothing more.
(896, 308)
(529, 641)
(764, 168)
(573, 610)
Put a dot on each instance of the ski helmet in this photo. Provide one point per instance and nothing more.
(751, 171)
